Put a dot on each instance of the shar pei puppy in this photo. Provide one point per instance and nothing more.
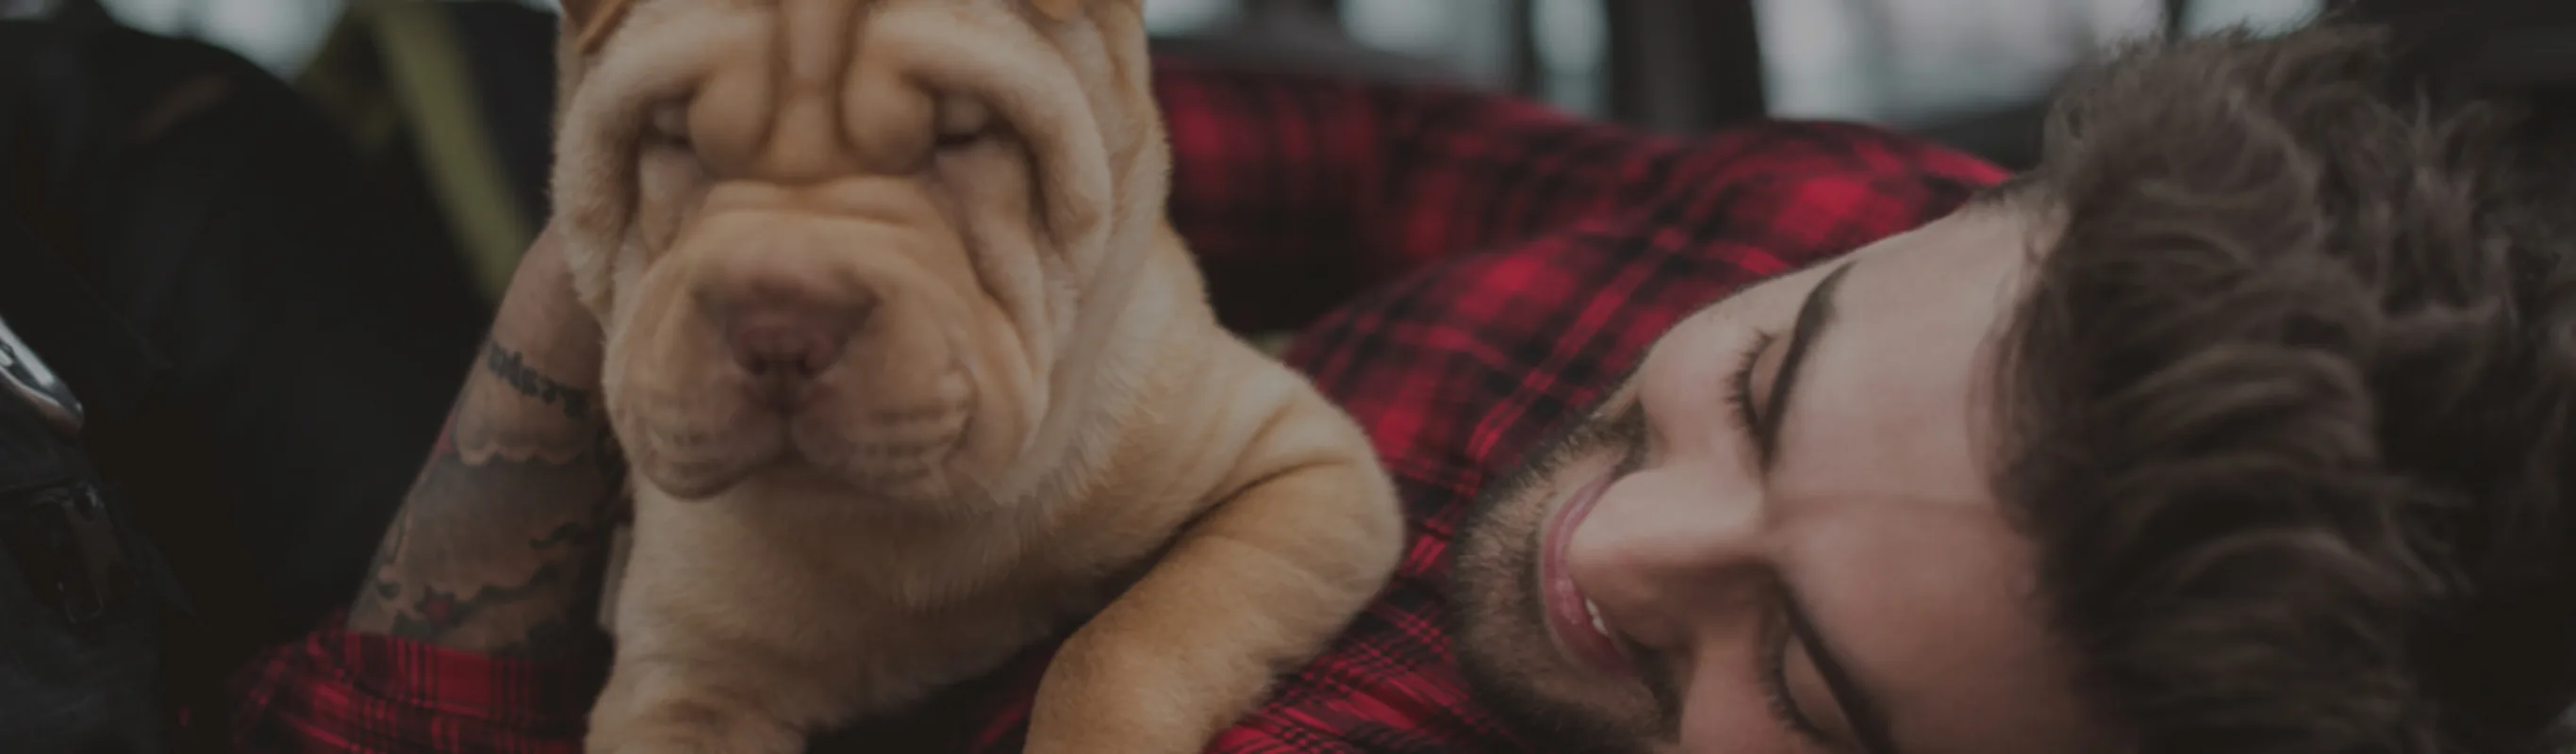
(912, 373)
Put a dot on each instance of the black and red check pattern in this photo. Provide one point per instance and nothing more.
(1499, 265)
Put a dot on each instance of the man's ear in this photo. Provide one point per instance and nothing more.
(589, 21)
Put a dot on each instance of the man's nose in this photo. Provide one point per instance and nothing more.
(1671, 536)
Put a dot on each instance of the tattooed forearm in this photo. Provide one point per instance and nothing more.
(512, 369)
(499, 544)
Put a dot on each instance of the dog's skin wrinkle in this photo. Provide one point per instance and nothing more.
(1038, 421)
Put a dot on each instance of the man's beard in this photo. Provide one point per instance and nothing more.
(1500, 622)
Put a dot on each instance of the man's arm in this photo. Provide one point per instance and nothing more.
(499, 544)
(473, 629)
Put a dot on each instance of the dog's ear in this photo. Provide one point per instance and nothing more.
(589, 21)
(1065, 10)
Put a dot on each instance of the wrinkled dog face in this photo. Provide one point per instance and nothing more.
(850, 236)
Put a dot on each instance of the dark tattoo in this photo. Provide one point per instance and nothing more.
(513, 371)
(560, 636)
(501, 541)
(439, 611)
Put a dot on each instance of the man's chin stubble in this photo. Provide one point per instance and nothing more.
(1503, 646)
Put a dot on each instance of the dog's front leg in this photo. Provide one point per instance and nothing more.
(658, 706)
(1253, 590)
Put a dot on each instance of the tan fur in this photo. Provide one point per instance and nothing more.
(595, 18)
(1035, 421)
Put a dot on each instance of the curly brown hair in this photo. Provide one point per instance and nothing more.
(2292, 401)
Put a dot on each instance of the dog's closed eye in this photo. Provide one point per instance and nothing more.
(963, 123)
(668, 128)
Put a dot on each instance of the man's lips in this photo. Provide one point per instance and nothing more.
(1574, 620)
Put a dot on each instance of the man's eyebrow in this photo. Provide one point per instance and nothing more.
(1813, 315)
(1868, 721)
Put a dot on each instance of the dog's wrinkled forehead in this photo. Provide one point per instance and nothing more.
(591, 21)
(814, 103)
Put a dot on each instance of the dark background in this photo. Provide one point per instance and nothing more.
(446, 101)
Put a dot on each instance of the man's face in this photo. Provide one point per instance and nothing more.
(1779, 536)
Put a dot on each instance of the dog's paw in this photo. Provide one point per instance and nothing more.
(695, 734)
(1111, 728)
(730, 740)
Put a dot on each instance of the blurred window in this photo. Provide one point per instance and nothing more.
(1899, 62)
(1908, 62)
(1573, 38)
(1169, 17)
(279, 35)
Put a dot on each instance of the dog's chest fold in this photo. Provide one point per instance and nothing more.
(926, 570)
(917, 565)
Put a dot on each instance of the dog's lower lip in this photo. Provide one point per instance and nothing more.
(1572, 618)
